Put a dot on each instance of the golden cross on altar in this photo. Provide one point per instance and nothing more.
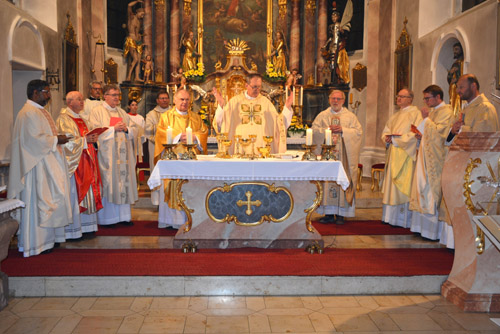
(248, 203)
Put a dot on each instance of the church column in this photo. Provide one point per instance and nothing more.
(148, 28)
(309, 30)
(295, 35)
(175, 57)
(97, 25)
(321, 39)
(160, 46)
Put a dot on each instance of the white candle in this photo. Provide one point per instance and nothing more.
(309, 137)
(293, 95)
(189, 135)
(286, 93)
(328, 137)
(301, 94)
(169, 135)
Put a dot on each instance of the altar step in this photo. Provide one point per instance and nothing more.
(93, 286)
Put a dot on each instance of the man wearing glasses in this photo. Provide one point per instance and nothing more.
(401, 144)
(93, 100)
(251, 113)
(116, 159)
(38, 175)
(346, 133)
(426, 192)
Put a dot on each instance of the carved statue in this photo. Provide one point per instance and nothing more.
(279, 54)
(334, 49)
(148, 68)
(292, 78)
(454, 73)
(133, 43)
(189, 61)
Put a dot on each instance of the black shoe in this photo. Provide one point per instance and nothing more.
(57, 244)
(108, 226)
(74, 240)
(171, 228)
(340, 220)
(327, 219)
(47, 251)
(126, 223)
(88, 235)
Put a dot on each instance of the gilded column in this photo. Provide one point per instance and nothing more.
(175, 57)
(161, 74)
(309, 30)
(322, 36)
(148, 28)
(295, 36)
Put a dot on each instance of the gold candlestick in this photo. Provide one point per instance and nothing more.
(328, 153)
(169, 154)
(237, 153)
(189, 154)
(309, 155)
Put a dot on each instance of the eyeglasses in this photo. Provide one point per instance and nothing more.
(428, 98)
(96, 88)
(337, 98)
(163, 98)
(113, 95)
(403, 96)
(255, 87)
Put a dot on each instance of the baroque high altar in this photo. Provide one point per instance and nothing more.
(217, 44)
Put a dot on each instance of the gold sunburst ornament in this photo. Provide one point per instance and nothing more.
(237, 46)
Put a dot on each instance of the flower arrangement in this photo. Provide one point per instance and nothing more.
(272, 75)
(196, 75)
(296, 129)
(204, 115)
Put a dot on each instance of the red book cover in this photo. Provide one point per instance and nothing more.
(114, 120)
(97, 131)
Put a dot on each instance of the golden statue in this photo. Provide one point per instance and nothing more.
(189, 61)
(279, 54)
(454, 73)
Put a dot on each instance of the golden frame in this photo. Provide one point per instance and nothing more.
(231, 218)
(269, 29)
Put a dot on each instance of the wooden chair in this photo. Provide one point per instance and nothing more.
(377, 172)
(360, 177)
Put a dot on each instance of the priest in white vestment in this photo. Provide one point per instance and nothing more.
(93, 100)
(83, 169)
(38, 175)
(116, 159)
(478, 115)
(152, 119)
(401, 154)
(426, 192)
(345, 131)
(173, 126)
(138, 123)
(251, 113)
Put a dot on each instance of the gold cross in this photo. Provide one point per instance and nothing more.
(248, 203)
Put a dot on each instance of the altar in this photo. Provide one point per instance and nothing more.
(234, 203)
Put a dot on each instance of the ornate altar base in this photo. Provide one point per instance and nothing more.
(234, 203)
(473, 284)
(290, 233)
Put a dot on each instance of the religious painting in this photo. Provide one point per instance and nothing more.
(70, 66)
(224, 20)
(403, 62)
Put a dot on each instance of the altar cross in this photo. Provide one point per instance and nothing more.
(248, 203)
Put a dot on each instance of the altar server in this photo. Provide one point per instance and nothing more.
(342, 128)
(38, 174)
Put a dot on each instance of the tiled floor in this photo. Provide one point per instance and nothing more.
(335, 314)
(422, 314)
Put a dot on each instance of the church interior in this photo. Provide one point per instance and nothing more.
(150, 46)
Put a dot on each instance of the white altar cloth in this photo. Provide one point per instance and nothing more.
(248, 170)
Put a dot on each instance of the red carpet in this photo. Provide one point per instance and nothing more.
(235, 262)
(355, 227)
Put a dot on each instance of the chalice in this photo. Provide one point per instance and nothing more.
(220, 146)
(268, 140)
(237, 153)
(264, 151)
(226, 142)
(245, 142)
(253, 139)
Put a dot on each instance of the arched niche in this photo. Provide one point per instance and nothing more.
(442, 58)
(27, 58)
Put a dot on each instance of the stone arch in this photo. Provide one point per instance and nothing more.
(22, 33)
(442, 57)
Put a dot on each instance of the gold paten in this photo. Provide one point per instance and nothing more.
(231, 218)
(188, 211)
(314, 206)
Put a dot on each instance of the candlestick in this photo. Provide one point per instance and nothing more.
(309, 137)
(169, 135)
(301, 94)
(328, 137)
(189, 135)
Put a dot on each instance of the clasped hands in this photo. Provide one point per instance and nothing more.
(120, 127)
(455, 128)
(183, 139)
(336, 128)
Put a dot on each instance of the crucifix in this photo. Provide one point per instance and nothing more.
(248, 203)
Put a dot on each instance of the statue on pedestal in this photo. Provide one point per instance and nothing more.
(454, 73)
(278, 55)
(148, 68)
(133, 44)
(334, 49)
(189, 60)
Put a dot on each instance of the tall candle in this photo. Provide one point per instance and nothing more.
(309, 137)
(169, 135)
(293, 95)
(301, 94)
(350, 98)
(328, 137)
(189, 135)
